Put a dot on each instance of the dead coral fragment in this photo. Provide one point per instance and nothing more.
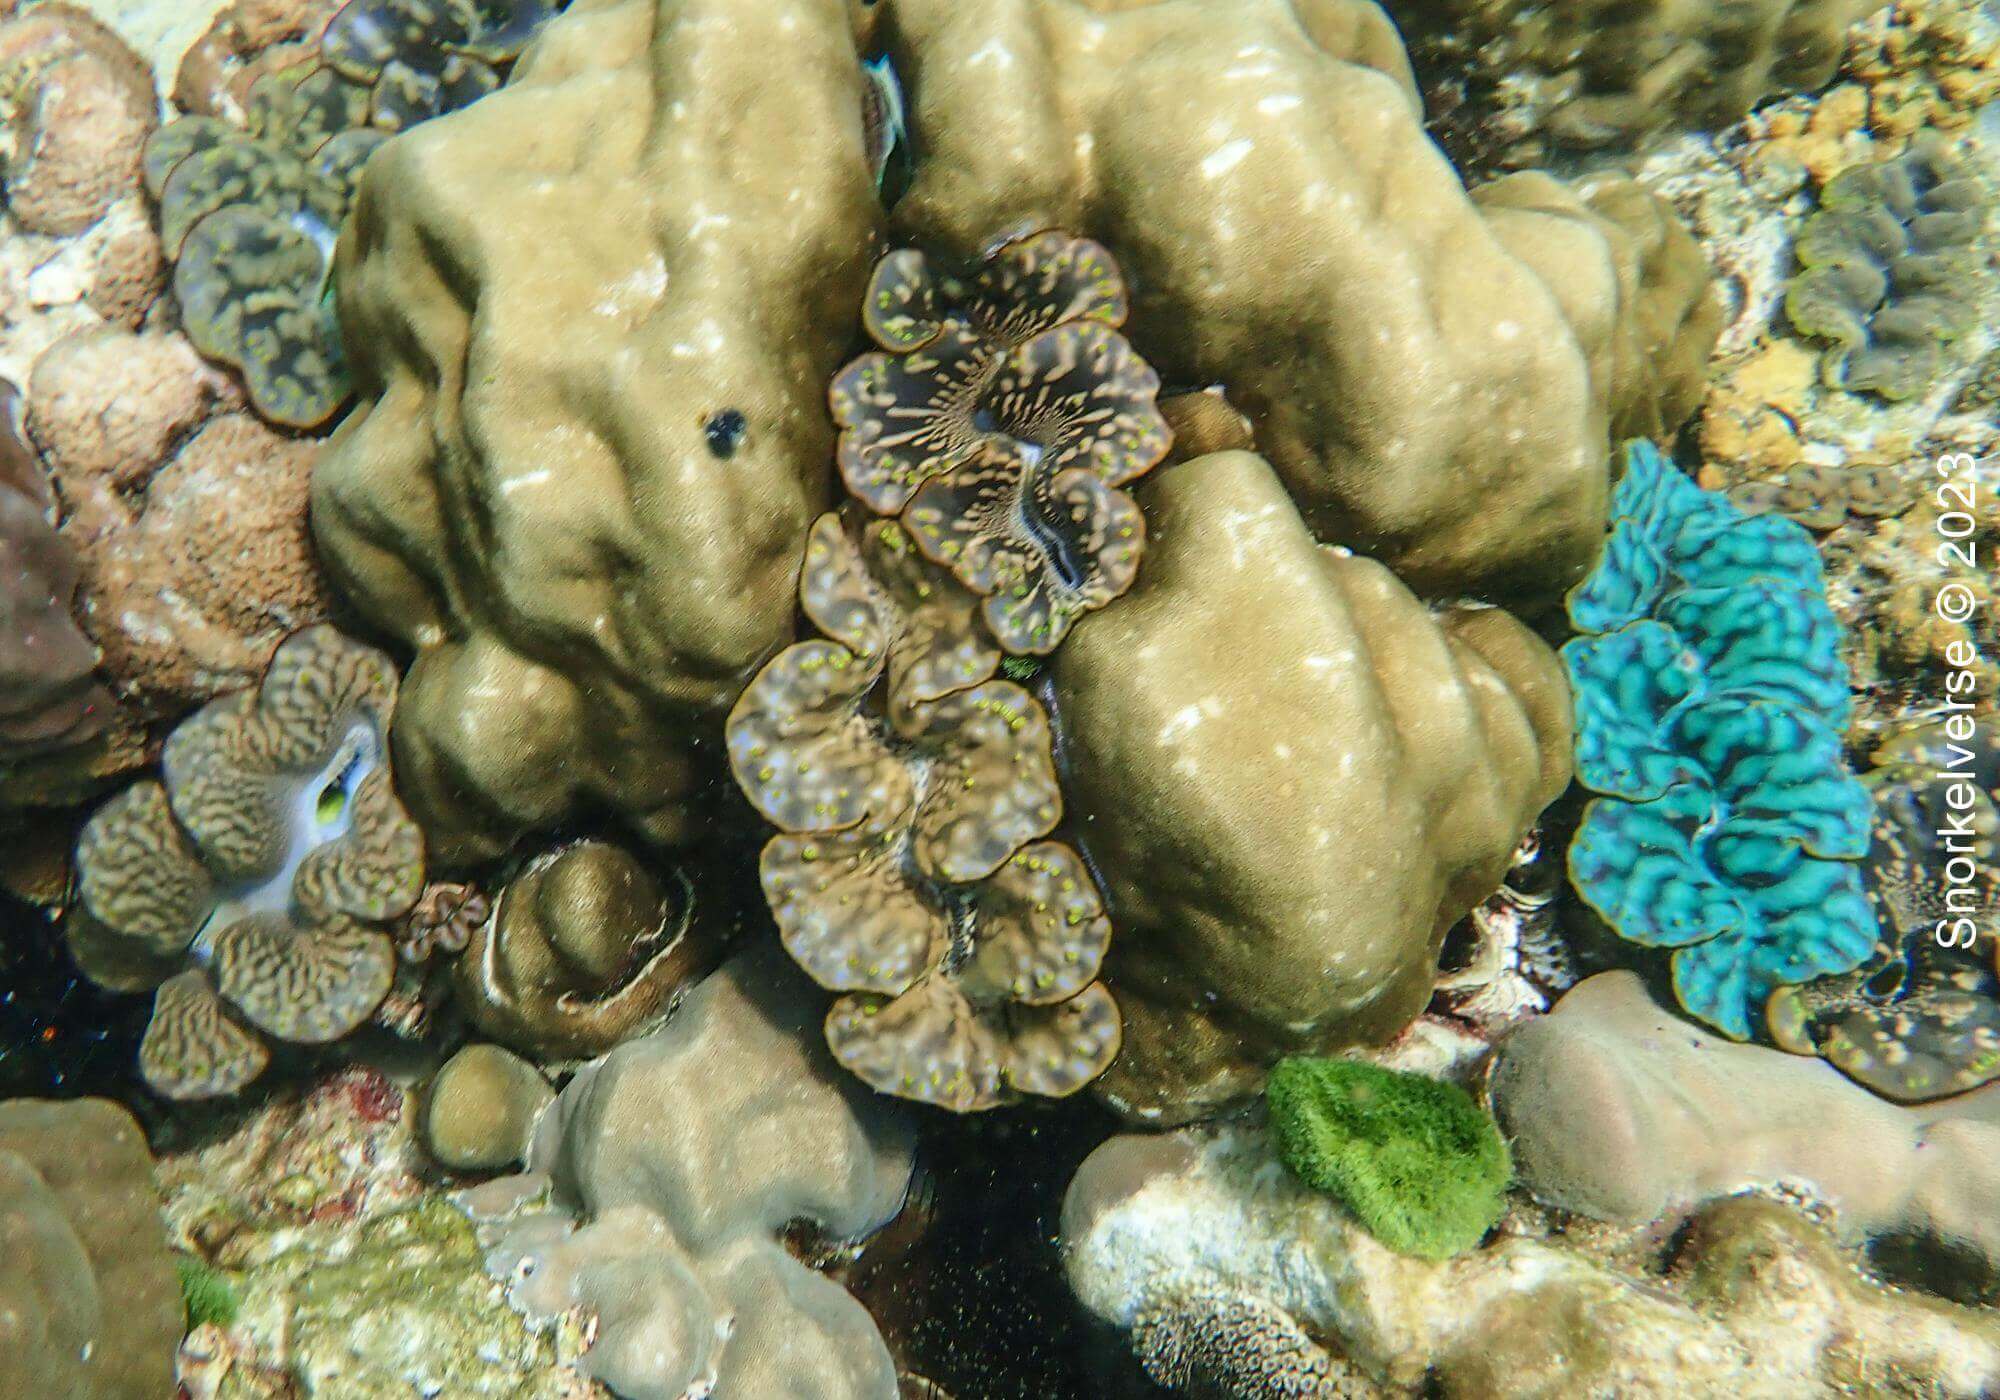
(1000, 420)
(585, 949)
(1884, 266)
(908, 784)
(249, 884)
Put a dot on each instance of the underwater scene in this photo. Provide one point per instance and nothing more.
(999, 699)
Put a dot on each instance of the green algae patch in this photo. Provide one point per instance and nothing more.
(1414, 1158)
(206, 1292)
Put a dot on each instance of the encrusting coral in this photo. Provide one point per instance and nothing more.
(249, 213)
(1416, 1160)
(674, 1254)
(89, 1304)
(999, 421)
(249, 882)
(584, 949)
(189, 519)
(49, 693)
(1287, 231)
(1710, 703)
(1884, 266)
(1292, 778)
(80, 105)
(670, 201)
(911, 789)
(1619, 1110)
(1920, 1018)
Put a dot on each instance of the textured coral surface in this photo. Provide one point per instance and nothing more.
(89, 1305)
(1292, 778)
(1433, 382)
(667, 220)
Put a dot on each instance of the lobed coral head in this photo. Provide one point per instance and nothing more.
(249, 883)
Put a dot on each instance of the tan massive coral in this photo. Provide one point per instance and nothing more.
(593, 317)
(89, 1306)
(1595, 73)
(1432, 392)
(1292, 779)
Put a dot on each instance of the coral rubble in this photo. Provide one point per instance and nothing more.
(1293, 778)
(1710, 702)
(248, 884)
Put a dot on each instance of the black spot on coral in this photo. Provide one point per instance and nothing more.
(725, 432)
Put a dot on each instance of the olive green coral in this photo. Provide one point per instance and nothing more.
(89, 1305)
(1292, 778)
(1433, 378)
(1884, 267)
(584, 949)
(1414, 1158)
(911, 789)
(999, 419)
(695, 249)
(250, 882)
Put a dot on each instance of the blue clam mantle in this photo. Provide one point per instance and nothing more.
(1710, 699)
